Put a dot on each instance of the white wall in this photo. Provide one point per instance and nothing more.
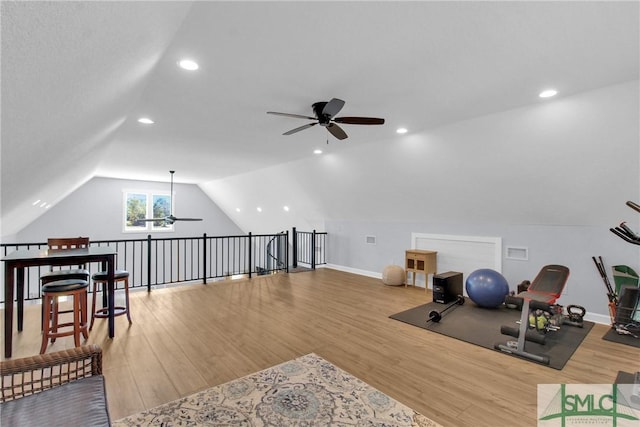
(95, 210)
(552, 177)
(270, 189)
(572, 246)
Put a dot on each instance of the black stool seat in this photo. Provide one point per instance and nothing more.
(103, 276)
(65, 285)
(78, 273)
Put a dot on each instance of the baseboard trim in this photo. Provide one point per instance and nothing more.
(367, 273)
(598, 318)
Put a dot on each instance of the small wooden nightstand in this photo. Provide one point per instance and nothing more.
(420, 261)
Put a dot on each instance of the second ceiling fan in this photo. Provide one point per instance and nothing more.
(170, 219)
(325, 116)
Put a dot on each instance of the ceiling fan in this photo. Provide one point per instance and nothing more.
(324, 116)
(170, 219)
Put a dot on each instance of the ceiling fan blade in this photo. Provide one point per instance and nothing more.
(333, 107)
(150, 219)
(298, 129)
(337, 131)
(359, 120)
(297, 116)
(171, 219)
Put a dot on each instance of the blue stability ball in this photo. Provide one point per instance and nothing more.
(487, 287)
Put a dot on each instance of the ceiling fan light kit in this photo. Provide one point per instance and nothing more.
(325, 116)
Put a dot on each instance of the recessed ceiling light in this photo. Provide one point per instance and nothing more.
(188, 64)
(259, 209)
(286, 208)
(237, 209)
(548, 93)
(145, 121)
(36, 202)
(317, 151)
(401, 130)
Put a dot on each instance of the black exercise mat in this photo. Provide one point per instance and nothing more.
(613, 336)
(625, 382)
(481, 326)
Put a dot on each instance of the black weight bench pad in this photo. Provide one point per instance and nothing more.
(548, 284)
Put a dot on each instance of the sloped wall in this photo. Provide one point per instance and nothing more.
(95, 210)
(552, 177)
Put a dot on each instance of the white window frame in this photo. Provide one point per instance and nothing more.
(149, 226)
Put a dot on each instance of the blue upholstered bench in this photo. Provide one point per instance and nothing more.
(63, 388)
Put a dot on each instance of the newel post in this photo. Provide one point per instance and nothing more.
(249, 255)
(313, 250)
(149, 263)
(294, 247)
(204, 259)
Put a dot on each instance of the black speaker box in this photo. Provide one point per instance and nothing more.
(447, 286)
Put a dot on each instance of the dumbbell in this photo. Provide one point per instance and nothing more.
(436, 316)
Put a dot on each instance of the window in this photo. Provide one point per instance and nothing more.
(141, 205)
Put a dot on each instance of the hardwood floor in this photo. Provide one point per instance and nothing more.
(188, 338)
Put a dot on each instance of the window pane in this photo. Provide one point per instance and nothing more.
(136, 210)
(161, 209)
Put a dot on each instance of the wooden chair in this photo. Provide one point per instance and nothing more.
(51, 325)
(64, 244)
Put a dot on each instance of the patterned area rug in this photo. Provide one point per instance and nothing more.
(307, 391)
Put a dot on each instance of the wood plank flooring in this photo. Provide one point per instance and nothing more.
(185, 339)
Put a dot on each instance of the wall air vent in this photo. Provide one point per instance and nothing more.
(518, 253)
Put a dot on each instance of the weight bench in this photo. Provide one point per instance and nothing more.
(545, 289)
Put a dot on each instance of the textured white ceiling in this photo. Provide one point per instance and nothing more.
(77, 75)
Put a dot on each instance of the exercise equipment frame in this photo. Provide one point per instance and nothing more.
(522, 334)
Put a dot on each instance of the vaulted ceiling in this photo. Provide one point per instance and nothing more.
(76, 76)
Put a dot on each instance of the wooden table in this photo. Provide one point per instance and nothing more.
(420, 261)
(14, 268)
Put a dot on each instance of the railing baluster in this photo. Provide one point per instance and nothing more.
(204, 258)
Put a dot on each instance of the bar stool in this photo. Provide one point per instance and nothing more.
(61, 275)
(100, 279)
(75, 288)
